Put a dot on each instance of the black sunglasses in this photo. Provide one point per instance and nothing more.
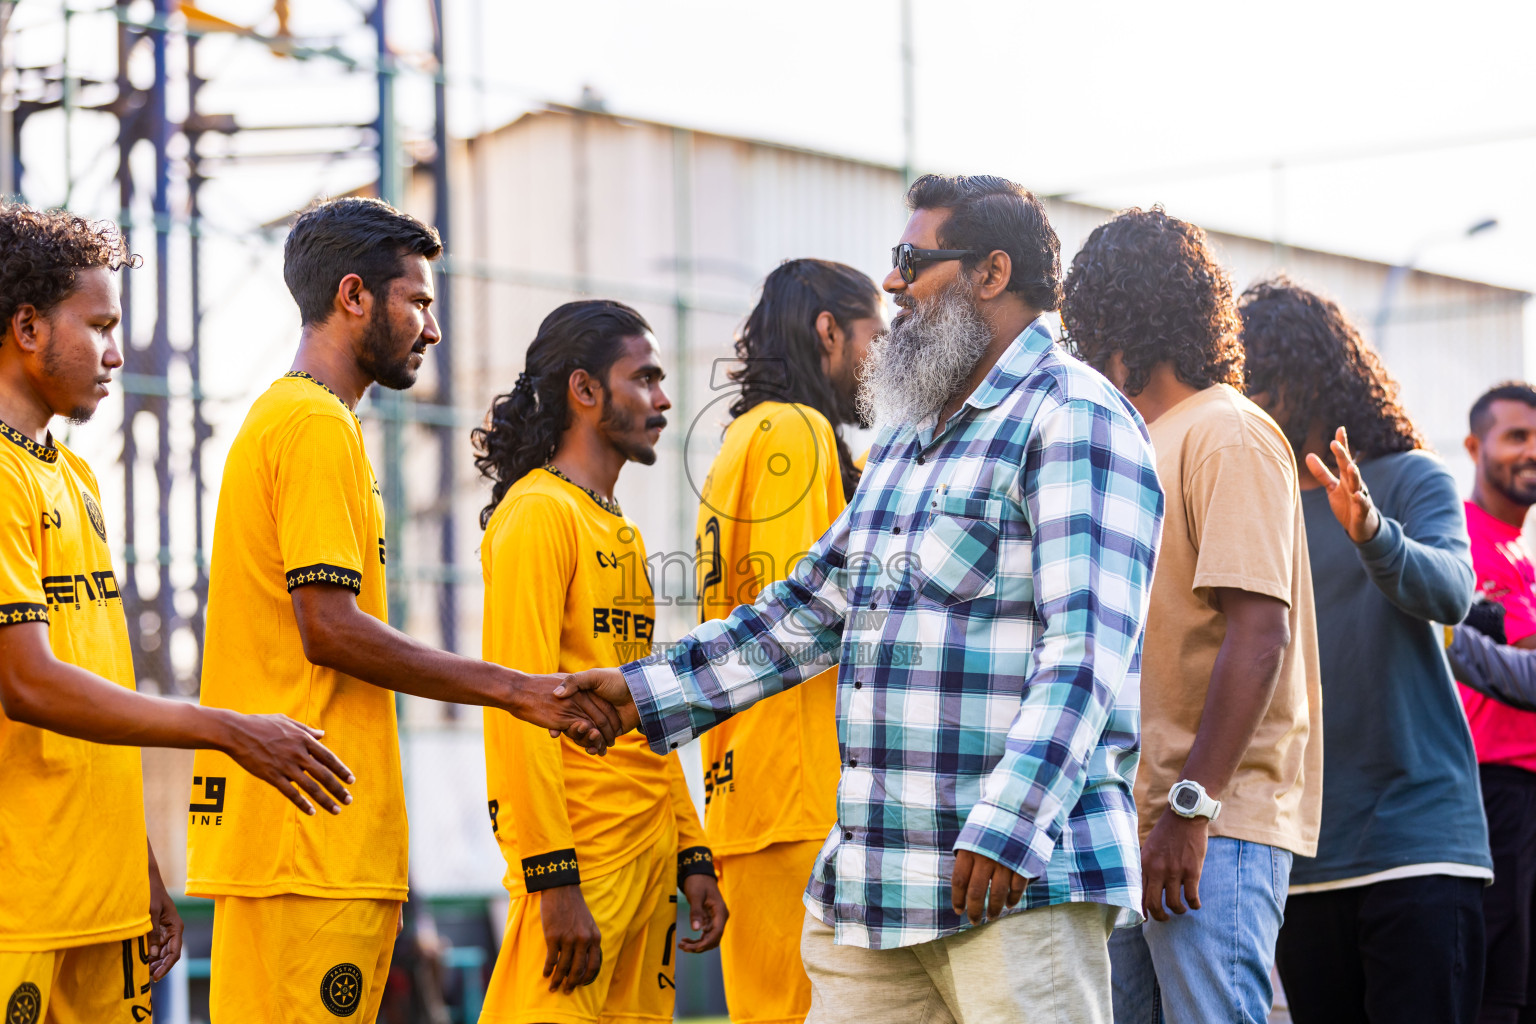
(905, 258)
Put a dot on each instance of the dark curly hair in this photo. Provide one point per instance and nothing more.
(1146, 285)
(1313, 368)
(526, 422)
(780, 351)
(988, 213)
(42, 253)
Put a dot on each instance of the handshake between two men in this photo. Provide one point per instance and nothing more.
(595, 707)
(591, 708)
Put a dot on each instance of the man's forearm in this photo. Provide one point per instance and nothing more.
(1242, 685)
(40, 690)
(1506, 674)
(386, 657)
(340, 636)
(790, 634)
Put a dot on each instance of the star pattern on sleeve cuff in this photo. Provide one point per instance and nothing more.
(550, 870)
(323, 572)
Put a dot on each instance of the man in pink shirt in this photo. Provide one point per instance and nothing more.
(1502, 444)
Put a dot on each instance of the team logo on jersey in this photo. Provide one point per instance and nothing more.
(25, 1005)
(210, 810)
(98, 521)
(342, 989)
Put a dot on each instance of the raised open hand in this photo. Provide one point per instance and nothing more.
(289, 756)
(1348, 496)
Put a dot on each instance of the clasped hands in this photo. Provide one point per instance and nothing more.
(591, 708)
(595, 707)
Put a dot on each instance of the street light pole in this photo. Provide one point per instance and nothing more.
(1399, 273)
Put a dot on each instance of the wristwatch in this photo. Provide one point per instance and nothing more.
(1190, 800)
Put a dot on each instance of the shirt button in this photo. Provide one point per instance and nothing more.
(847, 837)
(674, 746)
(858, 685)
(919, 460)
(896, 530)
(853, 764)
(873, 605)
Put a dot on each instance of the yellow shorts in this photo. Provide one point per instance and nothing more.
(635, 908)
(100, 984)
(765, 982)
(290, 959)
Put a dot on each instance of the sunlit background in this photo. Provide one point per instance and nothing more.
(669, 154)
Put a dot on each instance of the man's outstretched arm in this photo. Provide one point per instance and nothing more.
(1506, 674)
(339, 635)
(790, 634)
(38, 689)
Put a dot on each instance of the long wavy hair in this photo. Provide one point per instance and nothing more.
(1306, 358)
(525, 424)
(780, 351)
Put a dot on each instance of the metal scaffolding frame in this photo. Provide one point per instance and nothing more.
(159, 455)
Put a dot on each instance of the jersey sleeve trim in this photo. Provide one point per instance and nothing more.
(551, 870)
(324, 572)
(695, 860)
(22, 611)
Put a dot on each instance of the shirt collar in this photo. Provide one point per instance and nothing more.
(47, 452)
(1016, 362)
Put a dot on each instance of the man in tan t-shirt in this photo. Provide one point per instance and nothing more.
(1230, 780)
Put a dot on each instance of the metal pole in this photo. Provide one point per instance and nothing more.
(133, 356)
(160, 352)
(8, 176)
(908, 98)
(448, 595)
(201, 431)
(390, 402)
(68, 100)
(1277, 212)
(682, 234)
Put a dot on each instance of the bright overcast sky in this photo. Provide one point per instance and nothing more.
(1188, 104)
(1101, 96)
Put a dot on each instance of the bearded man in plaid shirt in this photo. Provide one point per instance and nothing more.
(984, 595)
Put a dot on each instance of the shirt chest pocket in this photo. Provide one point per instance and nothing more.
(957, 554)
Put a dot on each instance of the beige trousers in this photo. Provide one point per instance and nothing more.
(1043, 966)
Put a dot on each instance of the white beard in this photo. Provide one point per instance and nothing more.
(924, 360)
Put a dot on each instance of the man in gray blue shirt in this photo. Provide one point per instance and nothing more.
(1385, 923)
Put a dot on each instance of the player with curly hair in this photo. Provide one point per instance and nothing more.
(1385, 922)
(1229, 786)
(85, 923)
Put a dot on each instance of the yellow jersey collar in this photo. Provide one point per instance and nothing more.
(48, 452)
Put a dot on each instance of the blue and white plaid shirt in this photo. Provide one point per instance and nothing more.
(984, 594)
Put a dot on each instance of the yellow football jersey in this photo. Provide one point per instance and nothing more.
(770, 773)
(566, 589)
(298, 505)
(73, 854)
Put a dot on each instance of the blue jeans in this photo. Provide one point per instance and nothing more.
(1212, 965)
